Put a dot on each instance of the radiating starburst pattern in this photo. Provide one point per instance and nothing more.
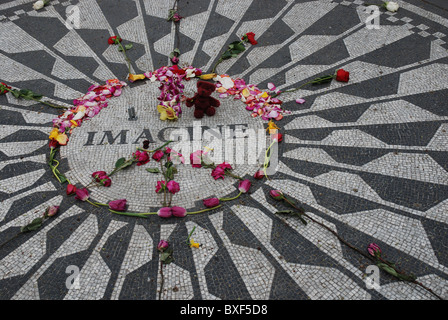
(368, 158)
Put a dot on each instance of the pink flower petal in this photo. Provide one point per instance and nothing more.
(271, 86)
(300, 101)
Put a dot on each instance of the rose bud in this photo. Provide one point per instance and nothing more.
(374, 249)
(158, 155)
(70, 189)
(244, 186)
(146, 144)
(51, 211)
(53, 144)
(175, 60)
(163, 245)
(179, 212)
(210, 202)
(82, 194)
(118, 205)
(276, 194)
(259, 174)
(277, 137)
(342, 75)
(164, 212)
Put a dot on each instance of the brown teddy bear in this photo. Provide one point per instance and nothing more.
(202, 101)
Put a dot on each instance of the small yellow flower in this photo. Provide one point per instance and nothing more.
(61, 138)
(207, 76)
(54, 134)
(135, 77)
(194, 244)
(272, 127)
(166, 113)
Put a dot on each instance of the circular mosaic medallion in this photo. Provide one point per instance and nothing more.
(230, 135)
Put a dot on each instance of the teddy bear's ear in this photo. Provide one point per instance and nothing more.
(208, 86)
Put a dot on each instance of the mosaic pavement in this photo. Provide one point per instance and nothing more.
(368, 158)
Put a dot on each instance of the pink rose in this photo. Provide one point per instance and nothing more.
(118, 205)
(276, 194)
(98, 175)
(210, 202)
(51, 211)
(244, 186)
(218, 172)
(164, 212)
(82, 194)
(158, 155)
(179, 212)
(195, 159)
(141, 157)
(163, 245)
(225, 166)
(173, 186)
(259, 174)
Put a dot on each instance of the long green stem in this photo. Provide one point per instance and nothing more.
(150, 151)
(125, 56)
(204, 210)
(299, 87)
(92, 203)
(266, 160)
(189, 236)
(228, 173)
(356, 249)
(140, 215)
(229, 199)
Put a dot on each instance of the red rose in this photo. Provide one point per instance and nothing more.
(342, 75)
(113, 40)
(259, 174)
(250, 36)
(70, 189)
(3, 87)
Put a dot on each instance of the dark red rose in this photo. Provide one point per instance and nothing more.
(113, 40)
(250, 36)
(53, 144)
(342, 75)
(259, 174)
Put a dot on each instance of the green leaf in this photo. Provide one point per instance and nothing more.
(128, 46)
(16, 93)
(388, 269)
(119, 162)
(169, 173)
(167, 256)
(153, 170)
(226, 55)
(34, 225)
(240, 47)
